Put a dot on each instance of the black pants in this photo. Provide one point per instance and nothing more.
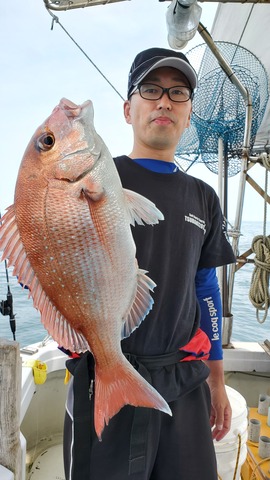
(177, 448)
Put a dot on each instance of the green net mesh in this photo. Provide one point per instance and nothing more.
(219, 109)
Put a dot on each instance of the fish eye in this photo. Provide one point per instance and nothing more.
(46, 141)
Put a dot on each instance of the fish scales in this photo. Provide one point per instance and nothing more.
(68, 236)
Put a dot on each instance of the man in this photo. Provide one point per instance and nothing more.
(169, 348)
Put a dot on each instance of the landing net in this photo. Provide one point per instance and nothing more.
(219, 109)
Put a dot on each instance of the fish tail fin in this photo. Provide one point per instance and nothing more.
(121, 385)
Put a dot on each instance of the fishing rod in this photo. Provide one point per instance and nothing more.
(6, 306)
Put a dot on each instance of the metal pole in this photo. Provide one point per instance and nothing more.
(220, 196)
(245, 154)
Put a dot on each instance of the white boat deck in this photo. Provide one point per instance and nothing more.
(48, 465)
(247, 367)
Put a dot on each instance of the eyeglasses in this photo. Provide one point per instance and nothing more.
(179, 93)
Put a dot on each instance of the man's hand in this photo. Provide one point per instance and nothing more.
(221, 412)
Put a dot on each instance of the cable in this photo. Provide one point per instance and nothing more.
(56, 20)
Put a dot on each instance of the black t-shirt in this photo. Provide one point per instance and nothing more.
(191, 237)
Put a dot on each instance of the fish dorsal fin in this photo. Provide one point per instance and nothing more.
(54, 322)
(141, 210)
(141, 305)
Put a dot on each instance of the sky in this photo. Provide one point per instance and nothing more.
(40, 65)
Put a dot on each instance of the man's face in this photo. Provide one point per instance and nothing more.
(159, 124)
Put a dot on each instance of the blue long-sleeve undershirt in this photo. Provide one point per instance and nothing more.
(208, 294)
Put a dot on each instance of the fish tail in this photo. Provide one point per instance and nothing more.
(121, 385)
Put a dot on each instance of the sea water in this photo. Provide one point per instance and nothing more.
(29, 328)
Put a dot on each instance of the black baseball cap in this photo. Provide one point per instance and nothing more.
(153, 58)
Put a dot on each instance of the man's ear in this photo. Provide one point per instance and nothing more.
(189, 118)
(127, 111)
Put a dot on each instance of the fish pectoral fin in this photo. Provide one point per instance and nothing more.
(141, 210)
(141, 305)
(92, 190)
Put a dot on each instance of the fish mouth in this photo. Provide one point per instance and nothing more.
(72, 109)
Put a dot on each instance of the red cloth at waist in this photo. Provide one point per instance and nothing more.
(198, 347)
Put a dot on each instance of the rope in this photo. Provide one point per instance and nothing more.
(234, 233)
(266, 163)
(252, 476)
(238, 456)
(265, 160)
(259, 288)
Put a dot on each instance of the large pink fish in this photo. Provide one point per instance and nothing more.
(68, 236)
